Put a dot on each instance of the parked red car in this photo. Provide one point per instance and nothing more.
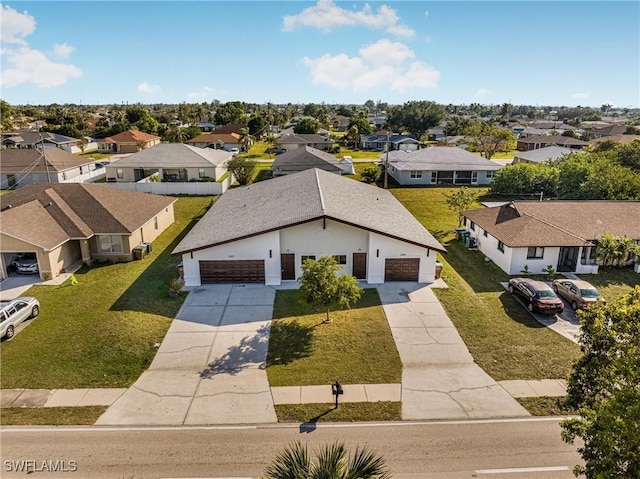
(538, 296)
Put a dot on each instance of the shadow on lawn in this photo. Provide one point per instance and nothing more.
(250, 352)
(289, 341)
(517, 311)
(310, 425)
(150, 292)
(483, 276)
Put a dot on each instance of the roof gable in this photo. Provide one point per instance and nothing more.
(440, 157)
(301, 197)
(305, 158)
(129, 136)
(173, 155)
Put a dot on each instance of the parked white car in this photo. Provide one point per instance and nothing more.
(234, 151)
(14, 312)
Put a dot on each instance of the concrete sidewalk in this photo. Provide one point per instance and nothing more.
(440, 379)
(280, 394)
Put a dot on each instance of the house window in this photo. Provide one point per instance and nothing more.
(472, 226)
(340, 258)
(434, 177)
(201, 173)
(155, 223)
(119, 173)
(305, 257)
(474, 177)
(110, 243)
(535, 252)
(416, 174)
(490, 174)
(501, 246)
(484, 233)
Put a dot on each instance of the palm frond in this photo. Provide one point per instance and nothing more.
(292, 463)
(330, 462)
(366, 465)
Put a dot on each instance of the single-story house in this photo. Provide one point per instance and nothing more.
(608, 130)
(31, 138)
(130, 141)
(377, 119)
(71, 223)
(562, 234)
(206, 126)
(23, 166)
(542, 155)
(171, 162)
(340, 122)
(216, 141)
(620, 139)
(291, 142)
(262, 233)
(230, 128)
(306, 158)
(440, 165)
(378, 142)
(457, 140)
(541, 141)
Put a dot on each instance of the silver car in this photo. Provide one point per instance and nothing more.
(579, 294)
(14, 312)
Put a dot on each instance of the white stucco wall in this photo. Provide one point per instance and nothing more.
(488, 245)
(536, 266)
(256, 247)
(335, 239)
(382, 247)
(404, 177)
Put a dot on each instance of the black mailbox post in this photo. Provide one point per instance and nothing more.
(336, 390)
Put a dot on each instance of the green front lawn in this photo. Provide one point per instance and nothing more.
(614, 283)
(50, 416)
(500, 334)
(347, 412)
(356, 348)
(257, 150)
(359, 154)
(96, 156)
(359, 168)
(104, 331)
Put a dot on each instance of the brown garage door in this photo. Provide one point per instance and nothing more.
(238, 271)
(401, 269)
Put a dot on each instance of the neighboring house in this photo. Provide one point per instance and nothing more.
(28, 138)
(457, 140)
(69, 224)
(291, 142)
(562, 234)
(542, 141)
(262, 233)
(609, 130)
(379, 141)
(206, 126)
(130, 141)
(216, 141)
(23, 166)
(305, 158)
(230, 128)
(620, 139)
(377, 119)
(171, 162)
(439, 165)
(542, 155)
(340, 122)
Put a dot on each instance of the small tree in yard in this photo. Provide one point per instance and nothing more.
(322, 287)
(242, 169)
(371, 174)
(605, 388)
(460, 201)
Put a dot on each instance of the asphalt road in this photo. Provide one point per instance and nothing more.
(504, 449)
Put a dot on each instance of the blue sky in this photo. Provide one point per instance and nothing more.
(538, 53)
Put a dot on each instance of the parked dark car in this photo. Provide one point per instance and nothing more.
(537, 295)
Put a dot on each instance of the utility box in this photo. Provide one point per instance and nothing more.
(438, 270)
(139, 252)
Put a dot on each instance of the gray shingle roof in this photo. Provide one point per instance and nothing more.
(176, 155)
(305, 158)
(303, 139)
(299, 198)
(558, 223)
(552, 140)
(441, 158)
(79, 210)
(18, 160)
(544, 154)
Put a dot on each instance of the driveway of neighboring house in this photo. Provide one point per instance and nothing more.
(209, 368)
(440, 379)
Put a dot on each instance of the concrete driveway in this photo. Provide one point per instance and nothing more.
(209, 368)
(440, 379)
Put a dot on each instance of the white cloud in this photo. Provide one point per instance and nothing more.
(62, 50)
(581, 96)
(204, 93)
(426, 14)
(33, 66)
(15, 26)
(482, 92)
(146, 87)
(326, 15)
(22, 64)
(380, 64)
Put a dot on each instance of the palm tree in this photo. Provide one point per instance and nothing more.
(245, 138)
(606, 248)
(330, 462)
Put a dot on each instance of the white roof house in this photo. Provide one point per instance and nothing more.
(440, 165)
(263, 232)
(542, 155)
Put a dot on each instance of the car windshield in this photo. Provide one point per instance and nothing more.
(546, 294)
(589, 293)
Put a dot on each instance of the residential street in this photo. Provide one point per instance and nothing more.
(508, 449)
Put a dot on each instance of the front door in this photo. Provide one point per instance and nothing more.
(288, 266)
(360, 265)
(567, 260)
